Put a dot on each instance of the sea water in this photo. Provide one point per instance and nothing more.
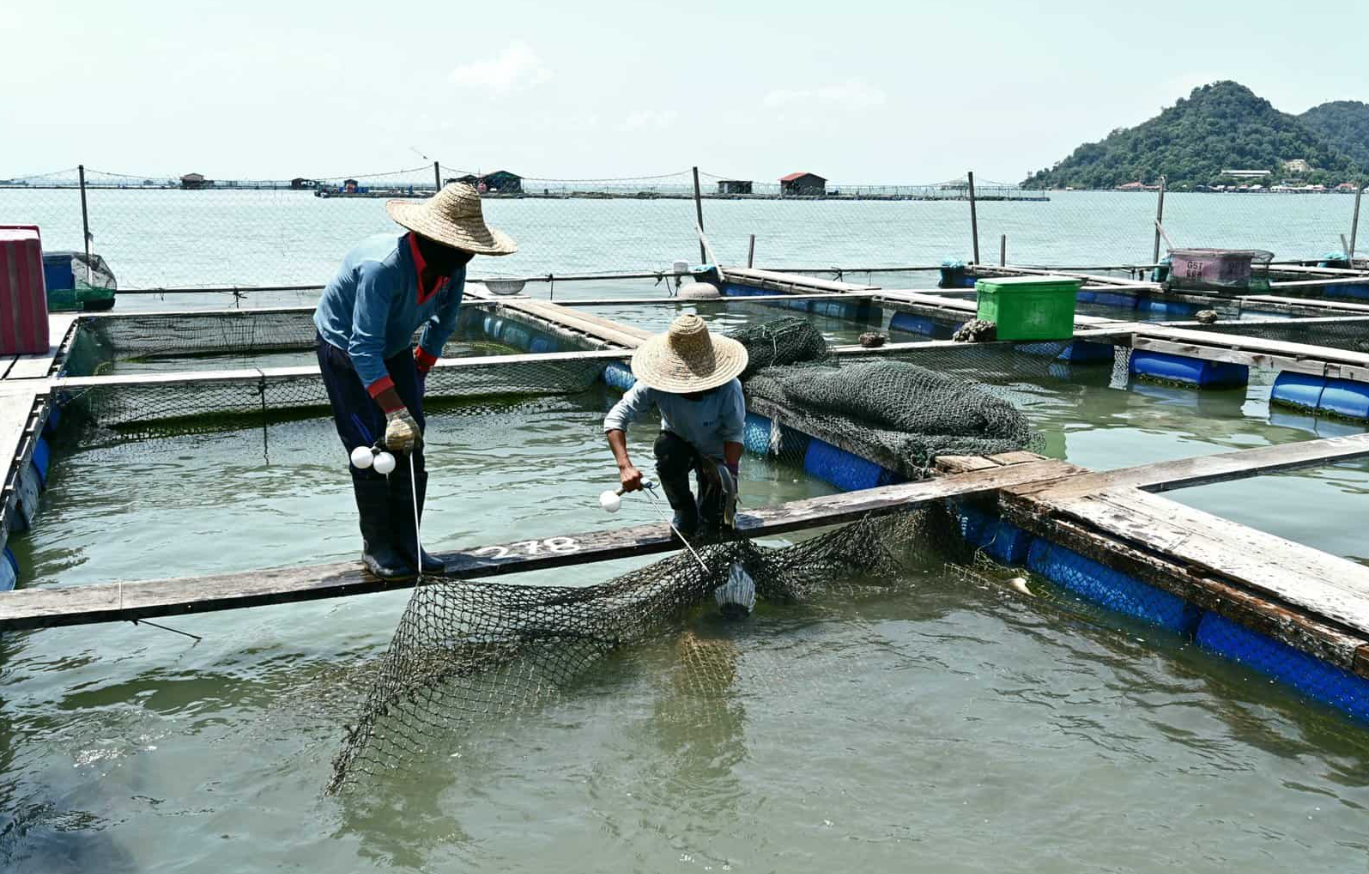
(938, 725)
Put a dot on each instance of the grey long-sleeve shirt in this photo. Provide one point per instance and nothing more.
(716, 418)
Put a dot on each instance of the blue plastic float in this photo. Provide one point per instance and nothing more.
(9, 570)
(923, 326)
(1188, 371)
(1337, 397)
(1102, 585)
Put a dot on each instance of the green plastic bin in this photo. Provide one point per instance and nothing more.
(1029, 307)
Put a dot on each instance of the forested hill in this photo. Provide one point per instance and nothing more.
(1343, 124)
(1218, 127)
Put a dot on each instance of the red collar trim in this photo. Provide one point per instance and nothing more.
(424, 294)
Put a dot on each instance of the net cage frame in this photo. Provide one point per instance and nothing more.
(278, 389)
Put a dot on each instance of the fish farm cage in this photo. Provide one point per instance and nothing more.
(958, 449)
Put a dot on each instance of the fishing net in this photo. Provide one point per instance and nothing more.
(895, 413)
(467, 653)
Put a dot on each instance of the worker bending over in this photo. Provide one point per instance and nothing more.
(691, 377)
(388, 287)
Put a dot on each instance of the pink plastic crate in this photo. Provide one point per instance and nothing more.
(23, 293)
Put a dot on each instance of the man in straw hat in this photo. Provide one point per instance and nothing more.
(690, 375)
(388, 287)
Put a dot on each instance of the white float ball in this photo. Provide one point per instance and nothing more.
(362, 457)
(385, 462)
(609, 502)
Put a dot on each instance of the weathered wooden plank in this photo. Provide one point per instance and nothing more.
(254, 374)
(38, 366)
(1282, 622)
(108, 602)
(1254, 344)
(1208, 469)
(949, 464)
(794, 280)
(594, 326)
(1321, 584)
(1089, 277)
(1311, 303)
(1313, 366)
(955, 307)
(1360, 279)
(17, 424)
(1016, 457)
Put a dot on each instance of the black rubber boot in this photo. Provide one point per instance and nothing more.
(402, 513)
(377, 551)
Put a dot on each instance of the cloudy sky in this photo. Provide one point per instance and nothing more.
(862, 91)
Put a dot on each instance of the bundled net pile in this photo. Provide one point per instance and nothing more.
(892, 410)
(466, 652)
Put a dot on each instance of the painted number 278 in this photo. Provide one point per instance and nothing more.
(558, 545)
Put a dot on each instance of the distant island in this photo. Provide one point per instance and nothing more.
(1224, 136)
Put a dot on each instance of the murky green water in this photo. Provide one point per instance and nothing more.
(938, 725)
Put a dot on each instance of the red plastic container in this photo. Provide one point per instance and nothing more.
(23, 293)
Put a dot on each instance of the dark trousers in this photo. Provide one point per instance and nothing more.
(360, 422)
(676, 458)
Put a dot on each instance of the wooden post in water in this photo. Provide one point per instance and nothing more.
(974, 219)
(1002, 250)
(437, 176)
(699, 211)
(1354, 224)
(85, 218)
(1159, 217)
(751, 252)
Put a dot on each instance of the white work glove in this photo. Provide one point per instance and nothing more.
(401, 431)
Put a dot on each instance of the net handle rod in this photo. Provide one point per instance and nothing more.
(656, 502)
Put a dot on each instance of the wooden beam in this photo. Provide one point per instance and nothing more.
(793, 280)
(1206, 469)
(1313, 366)
(39, 366)
(275, 374)
(1088, 277)
(111, 602)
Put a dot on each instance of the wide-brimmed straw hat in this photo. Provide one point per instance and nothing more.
(687, 358)
(453, 218)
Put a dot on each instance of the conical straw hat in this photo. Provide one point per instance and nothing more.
(687, 358)
(453, 218)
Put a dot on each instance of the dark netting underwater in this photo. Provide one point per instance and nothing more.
(188, 403)
(467, 653)
(1348, 333)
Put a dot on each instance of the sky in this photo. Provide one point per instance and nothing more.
(860, 91)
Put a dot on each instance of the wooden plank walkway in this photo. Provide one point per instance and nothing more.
(108, 602)
(40, 366)
(770, 279)
(24, 392)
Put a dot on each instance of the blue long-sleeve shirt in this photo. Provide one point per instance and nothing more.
(706, 424)
(372, 307)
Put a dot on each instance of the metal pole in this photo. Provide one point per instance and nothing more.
(1159, 217)
(751, 252)
(1003, 250)
(85, 218)
(974, 218)
(437, 175)
(1354, 224)
(699, 211)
